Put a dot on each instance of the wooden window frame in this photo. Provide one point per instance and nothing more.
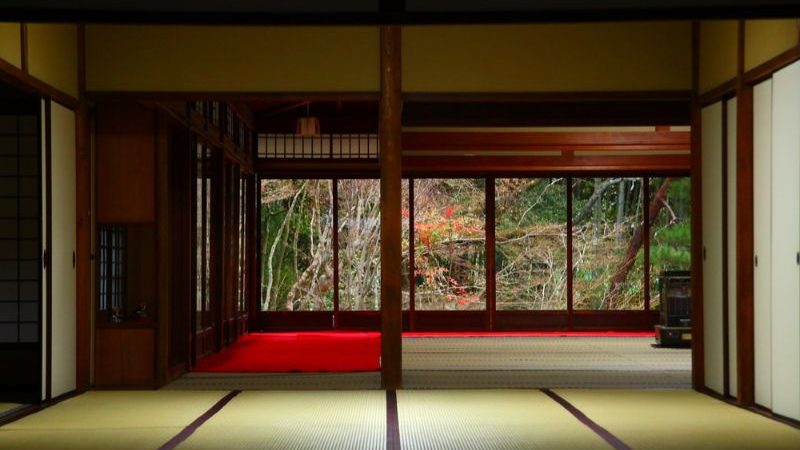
(489, 318)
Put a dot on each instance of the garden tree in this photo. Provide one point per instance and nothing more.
(296, 230)
(359, 245)
(530, 235)
(637, 240)
(670, 241)
(450, 242)
(593, 202)
(608, 211)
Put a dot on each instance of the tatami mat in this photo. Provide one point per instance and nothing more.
(489, 363)
(260, 420)
(277, 381)
(427, 419)
(541, 353)
(680, 420)
(102, 439)
(6, 408)
(120, 409)
(543, 362)
(535, 379)
(475, 419)
(134, 420)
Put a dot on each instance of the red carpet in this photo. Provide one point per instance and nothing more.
(530, 334)
(335, 351)
(319, 351)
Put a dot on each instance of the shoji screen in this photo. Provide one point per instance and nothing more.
(762, 224)
(58, 128)
(786, 242)
(730, 167)
(712, 167)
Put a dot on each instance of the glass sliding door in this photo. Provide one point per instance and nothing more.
(450, 244)
(407, 248)
(671, 231)
(531, 243)
(203, 237)
(608, 239)
(296, 245)
(359, 233)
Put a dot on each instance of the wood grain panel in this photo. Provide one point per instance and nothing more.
(124, 358)
(125, 163)
(653, 140)
(390, 112)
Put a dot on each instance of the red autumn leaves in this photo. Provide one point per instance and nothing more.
(444, 229)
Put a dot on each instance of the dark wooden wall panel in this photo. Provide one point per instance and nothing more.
(125, 163)
(296, 320)
(124, 357)
(181, 184)
(450, 320)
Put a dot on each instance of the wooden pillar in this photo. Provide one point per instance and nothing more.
(745, 323)
(698, 349)
(163, 248)
(83, 246)
(389, 128)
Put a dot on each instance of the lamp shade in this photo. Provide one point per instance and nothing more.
(307, 126)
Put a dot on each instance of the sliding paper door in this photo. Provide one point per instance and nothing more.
(762, 228)
(712, 170)
(786, 242)
(62, 249)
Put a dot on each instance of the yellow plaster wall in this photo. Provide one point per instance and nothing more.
(718, 53)
(765, 39)
(53, 55)
(10, 48)
(231, 59)
(547, 57)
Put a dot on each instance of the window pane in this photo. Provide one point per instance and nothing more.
(607, 243)
(297, 251)
(243, 244)
(405, 236)
(531, 243)
(199, 237)
(671, 231)
(450, 244)
(359, 245)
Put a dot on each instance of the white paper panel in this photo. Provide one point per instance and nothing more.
(762, 212)
(62, 249)
(712, 166)
(786, 242)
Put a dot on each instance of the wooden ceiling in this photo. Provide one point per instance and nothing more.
(385, 11)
